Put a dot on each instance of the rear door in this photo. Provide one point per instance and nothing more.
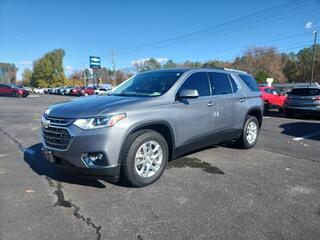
(2, 89)
(231, 106)
(195, 120)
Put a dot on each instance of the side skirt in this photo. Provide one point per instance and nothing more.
(205, 142)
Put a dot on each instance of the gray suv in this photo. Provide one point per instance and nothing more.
(150, 118)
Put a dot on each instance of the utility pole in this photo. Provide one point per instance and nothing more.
(113, 68)
(314, 56)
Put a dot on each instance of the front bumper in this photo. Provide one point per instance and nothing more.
(101, 172)
(105, 140)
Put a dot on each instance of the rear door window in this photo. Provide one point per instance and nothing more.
(250, 82)
(220, 83)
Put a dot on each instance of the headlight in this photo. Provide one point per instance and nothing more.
(99, 122)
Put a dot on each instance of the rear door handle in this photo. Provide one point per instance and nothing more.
(210, 104)
(242, 99)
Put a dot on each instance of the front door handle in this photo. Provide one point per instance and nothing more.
(242, 99)
(210, 104)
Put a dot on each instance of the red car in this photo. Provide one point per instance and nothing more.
(87, 91)
(13, 90)
(76, 91)
(272, 98)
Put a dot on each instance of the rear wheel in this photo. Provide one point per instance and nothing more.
(266, 107)
(250, 133)
(288, 114)
(145, 158)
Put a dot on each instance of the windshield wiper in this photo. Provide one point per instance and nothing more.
(121, 94)
(130, 94)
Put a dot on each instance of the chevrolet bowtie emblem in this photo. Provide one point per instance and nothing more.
(46, 123)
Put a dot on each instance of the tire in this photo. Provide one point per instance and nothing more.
(288, 114)
(244, 141)
(134, 145)
(266, 107)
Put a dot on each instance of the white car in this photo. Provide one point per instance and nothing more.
(38, 90)
(101, 91)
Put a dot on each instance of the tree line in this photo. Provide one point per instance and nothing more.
(261, 62)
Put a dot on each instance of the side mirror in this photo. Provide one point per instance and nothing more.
(188, 93)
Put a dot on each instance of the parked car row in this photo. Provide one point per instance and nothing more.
(304, 100)
(79, 91)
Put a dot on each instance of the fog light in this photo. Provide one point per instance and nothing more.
(94, 159)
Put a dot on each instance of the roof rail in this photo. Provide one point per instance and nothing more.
(234, 70)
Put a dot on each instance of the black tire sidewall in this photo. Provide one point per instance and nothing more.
(266, 106)
(128, 163)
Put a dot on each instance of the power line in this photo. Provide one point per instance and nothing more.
(281, 11)
(223, 33)
(183, 36)
(249, 44)
(283, 49)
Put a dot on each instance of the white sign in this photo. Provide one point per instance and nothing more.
(269, 81)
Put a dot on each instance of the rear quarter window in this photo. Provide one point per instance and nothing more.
(250, 82)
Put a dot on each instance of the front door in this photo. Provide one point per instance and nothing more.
(195, 121)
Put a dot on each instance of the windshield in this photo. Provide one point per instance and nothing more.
(275, 92)
(149, 84)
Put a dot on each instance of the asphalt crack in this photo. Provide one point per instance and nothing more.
(16, 141)
(62, 202)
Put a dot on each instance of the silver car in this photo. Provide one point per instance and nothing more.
(303, 101)
(149, 119)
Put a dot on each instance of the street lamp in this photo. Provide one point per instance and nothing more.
(314, 56)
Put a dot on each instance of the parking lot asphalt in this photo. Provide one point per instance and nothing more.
(221, 192)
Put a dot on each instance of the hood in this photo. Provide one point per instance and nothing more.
(90, 106)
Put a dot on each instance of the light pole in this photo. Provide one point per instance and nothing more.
(314, 56)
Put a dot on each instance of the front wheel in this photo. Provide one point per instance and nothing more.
(145, 158)
(250, 133)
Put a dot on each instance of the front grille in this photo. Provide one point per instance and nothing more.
(57, 138)
(59, 121)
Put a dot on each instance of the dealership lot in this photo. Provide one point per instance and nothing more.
(269, 192)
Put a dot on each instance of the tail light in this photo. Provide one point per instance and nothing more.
(316, 98)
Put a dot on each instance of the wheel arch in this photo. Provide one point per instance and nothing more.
(256, 112)
(162, 127)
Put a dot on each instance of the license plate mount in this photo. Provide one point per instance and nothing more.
(48, 155)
